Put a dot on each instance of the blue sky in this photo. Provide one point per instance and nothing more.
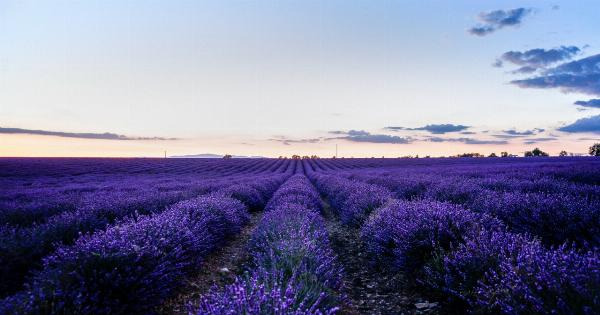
(283, 77)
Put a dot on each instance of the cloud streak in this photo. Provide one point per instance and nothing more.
(367, 137)
(495, 20)
(534, 59)
(467, 140)
(434, 128)
(514, 132)
(286, 141)
(537, 140)
(80, 135)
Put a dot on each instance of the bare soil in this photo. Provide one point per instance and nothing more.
(367, 288)
(232, 255)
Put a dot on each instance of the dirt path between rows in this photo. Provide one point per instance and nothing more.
(368, 290)
(219, 268)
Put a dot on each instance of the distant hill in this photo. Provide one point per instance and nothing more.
(214, 156)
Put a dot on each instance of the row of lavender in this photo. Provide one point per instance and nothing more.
(47, 168)
(28, 200)
(23, 248)
(528, 199)
(469, 260)
(576, 169)
(138, 262)
(292, 268)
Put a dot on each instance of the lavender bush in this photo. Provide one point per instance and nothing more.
(292, 268)
(405, 235)
(352, 200)
(131, 267)
(263, 292)
(556, 218)
(247, 194)
(539, 281)
(454, 276)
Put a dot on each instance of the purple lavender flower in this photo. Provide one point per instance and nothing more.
(292, 268)
(540, 281)
(455, 274)
(405, 235)
(132, 266)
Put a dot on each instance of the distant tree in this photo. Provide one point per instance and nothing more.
(314, 157)
(504, 154)
(227, 156)
(563, 153)
(538, 152)
(295, 157)
(470, 155)
(535, 152)
(595, 149)
(492, 155)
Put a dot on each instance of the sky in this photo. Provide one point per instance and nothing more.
(271, 78)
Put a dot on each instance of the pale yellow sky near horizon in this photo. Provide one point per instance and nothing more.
(51, 146)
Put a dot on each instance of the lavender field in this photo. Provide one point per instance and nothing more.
(300, 236)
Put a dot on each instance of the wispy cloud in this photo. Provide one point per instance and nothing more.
(538, 58)
(495, 20)
(287, 141)
(524, 132)
(466, 140)
(513, 133)
(434, 128)
(81, 135)
(536, 140)
(364, 136)
(588, 124)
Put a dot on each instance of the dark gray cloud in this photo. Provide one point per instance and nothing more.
(593, 103)
(534, 59)
(495, 20)
(434, 128)
(588, 124)
(81, 135)
(582, 76)
(467, 140)
(364, 136)
(536, 140)
(468, 133)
